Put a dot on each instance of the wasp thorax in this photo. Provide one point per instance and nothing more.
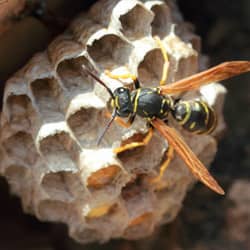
(122, 102)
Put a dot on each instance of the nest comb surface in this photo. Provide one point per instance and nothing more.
(53, 113)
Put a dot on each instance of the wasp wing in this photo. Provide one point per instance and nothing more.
(187, 155)
(218, 73)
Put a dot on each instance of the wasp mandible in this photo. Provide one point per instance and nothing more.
(156, 104)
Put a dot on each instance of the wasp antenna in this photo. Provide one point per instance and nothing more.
(98, 80)
(107, 127)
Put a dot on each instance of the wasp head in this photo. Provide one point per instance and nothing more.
(122, 102)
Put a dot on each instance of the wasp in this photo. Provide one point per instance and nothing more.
(157, 104)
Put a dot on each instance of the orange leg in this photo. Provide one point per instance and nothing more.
(124, 76)
(120, 76)
(165, 164)
(120, 121)
(132, 145)
(166, 61)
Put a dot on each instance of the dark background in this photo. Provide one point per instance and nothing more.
(207, 221)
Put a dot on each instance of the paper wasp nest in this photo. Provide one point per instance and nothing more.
(53, 113)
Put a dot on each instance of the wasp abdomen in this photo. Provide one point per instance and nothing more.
(195, 116)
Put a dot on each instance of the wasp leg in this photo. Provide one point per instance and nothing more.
(166, 61)
(121, 122)
(124, 76)
(132, 145)
(164, 165)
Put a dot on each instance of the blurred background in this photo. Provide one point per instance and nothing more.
(207, 221)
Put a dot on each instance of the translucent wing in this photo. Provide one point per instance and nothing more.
(217, 73)
(187, 155)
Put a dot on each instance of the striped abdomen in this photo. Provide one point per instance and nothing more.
(195, 116)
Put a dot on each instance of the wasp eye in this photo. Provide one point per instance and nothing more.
(121, 90)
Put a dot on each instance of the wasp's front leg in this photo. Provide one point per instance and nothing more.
(124, 76)
(166, 61)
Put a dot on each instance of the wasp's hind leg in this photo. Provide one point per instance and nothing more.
(124, 76)
(166, 61)
(169, 156)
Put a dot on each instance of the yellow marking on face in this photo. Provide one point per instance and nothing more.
(192, 125)
(136, 100)
(188, 114)
(117, 102)
(112, 103)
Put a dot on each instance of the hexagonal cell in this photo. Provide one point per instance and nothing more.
(170, 213)
(75, 185)
(136, 22)
(48, 96)
(53, 210)
(139, 203)
(86, 235)
(60, 151)
(16, 175)
(20, 147)
(33, 72)
(57, 187)
(150, 69)
(100, 211)
(182, 57)
(63, 47)
(109, 50)
(161, 24)
(186, 67)
(103, 177)
(21, 183)
(140, 227)
(72, 76)
(167, 206)
(110, 219)
(21, 112)
(144, 159)
(106, 182)
(186, 32)
(137, 199)
(85, 124)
